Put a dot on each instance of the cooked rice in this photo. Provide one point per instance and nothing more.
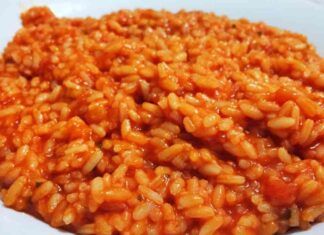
(149, 122)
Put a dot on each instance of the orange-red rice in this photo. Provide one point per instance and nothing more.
(151, 122)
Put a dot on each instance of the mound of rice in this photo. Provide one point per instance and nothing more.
(150, 122)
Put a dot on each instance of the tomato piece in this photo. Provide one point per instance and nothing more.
(78, 129)
(282, 95)
(278, 192)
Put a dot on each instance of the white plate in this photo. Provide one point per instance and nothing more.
(303, 16)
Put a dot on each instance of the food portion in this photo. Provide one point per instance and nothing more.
(150, 122)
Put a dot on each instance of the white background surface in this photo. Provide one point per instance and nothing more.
(303, 16)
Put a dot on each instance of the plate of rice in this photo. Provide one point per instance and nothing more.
(171, 117)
